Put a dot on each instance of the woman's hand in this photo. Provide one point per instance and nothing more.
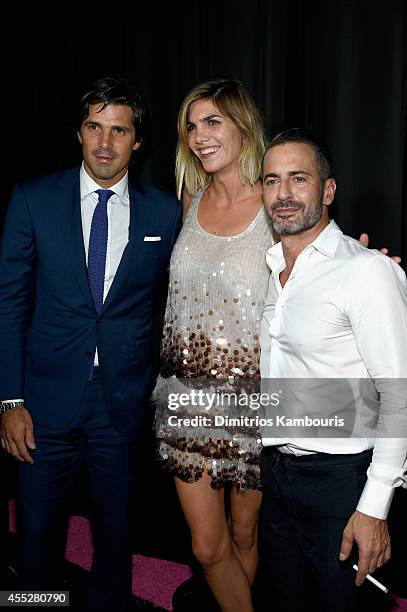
(364, 239)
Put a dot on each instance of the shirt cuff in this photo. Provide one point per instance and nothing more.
(376, 499)
(8, 401)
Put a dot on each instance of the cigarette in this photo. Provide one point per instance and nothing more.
(373, 581)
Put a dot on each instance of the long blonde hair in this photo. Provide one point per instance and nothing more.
(233, 100)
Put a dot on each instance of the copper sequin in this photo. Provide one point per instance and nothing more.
(197, 291)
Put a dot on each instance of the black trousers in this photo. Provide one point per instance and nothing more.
(306, 504)
(44, 489)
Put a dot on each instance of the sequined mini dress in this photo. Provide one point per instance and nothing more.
(210, 341)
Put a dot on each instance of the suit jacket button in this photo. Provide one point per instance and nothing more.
(88, 355)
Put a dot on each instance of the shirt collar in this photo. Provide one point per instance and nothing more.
(326, 243)
(88, 185)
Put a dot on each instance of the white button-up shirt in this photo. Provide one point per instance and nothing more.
(118, 219)
(342, 314)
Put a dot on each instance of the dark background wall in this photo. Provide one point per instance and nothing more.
(337, 65)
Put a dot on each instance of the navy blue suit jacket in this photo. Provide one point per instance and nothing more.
(49, 328)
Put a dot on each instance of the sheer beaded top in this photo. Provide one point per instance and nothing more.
(215, 299)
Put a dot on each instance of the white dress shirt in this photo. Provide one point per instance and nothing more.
(118, 220)
(343, 314)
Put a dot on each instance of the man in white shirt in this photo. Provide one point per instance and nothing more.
(334, 309)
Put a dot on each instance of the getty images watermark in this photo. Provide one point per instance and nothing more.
(209, 399)
(306, 407)
(205, 401)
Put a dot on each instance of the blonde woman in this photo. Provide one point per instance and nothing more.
(218, 280)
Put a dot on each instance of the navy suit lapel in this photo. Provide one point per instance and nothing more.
(140, 213)
(70, 213)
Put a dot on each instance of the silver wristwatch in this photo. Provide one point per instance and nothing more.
(4, 406)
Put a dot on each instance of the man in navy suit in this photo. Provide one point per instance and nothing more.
(81, 260)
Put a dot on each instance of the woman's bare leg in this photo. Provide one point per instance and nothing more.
(244, 517)
(204, 511)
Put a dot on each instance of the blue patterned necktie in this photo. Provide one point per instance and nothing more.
(98, 247)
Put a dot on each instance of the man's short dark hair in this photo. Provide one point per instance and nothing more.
(311, 138)
(117, 91)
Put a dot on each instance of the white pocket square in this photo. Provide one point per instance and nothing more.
(152, 238)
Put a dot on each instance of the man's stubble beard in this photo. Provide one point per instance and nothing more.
(290, 227)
